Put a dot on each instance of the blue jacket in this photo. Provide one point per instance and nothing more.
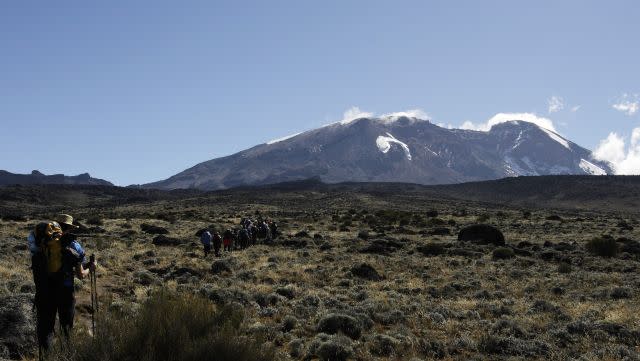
(206, 238)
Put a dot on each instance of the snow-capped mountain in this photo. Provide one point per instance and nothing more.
(395, 149)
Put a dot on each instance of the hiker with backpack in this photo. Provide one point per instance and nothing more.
(56, 257)
(205, 239)
(253, 231)
(243, 237)
(227, 240)
(217, 243)
(274, 229)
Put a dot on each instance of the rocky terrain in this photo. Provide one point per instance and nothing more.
(363, 271)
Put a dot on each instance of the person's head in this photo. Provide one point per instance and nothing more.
(66, 222)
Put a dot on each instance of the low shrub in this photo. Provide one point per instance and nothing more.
(503, 253)
(169, 326)
(603, 247)
(431, 249)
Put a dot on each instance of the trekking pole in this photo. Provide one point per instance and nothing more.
(94, 295)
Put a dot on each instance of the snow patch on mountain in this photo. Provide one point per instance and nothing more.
(282, 139)
(591, 168)
(384, 144)
(556, 137)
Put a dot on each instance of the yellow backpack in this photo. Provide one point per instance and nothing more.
(48, 235)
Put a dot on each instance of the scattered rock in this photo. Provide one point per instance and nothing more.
(482, 234)
(366, 271)
(151, 229)
(220, 266)
(619, 293)
(287, 291)
(629, 245)
(163, 240)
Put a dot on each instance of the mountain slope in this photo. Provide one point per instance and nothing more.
(7, 178)
(394, 149)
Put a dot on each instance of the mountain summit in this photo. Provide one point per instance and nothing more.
(395, 149)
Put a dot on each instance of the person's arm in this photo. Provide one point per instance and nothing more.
(81, 272)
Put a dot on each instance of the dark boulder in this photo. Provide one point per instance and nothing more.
(220, 266)
(629, 245)
(163, 240)
(151, 229)
(366, 271)
(482, 234)
(17, 330)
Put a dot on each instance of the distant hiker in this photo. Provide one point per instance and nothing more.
(243, 237)
(227, 240)
(265, 232)
(56, 256)
(253, 233)
(274, 230)
(217, 243)
(205, 239)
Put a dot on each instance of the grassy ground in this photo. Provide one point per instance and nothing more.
(317, 297)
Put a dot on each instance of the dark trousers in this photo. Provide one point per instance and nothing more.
(207, 249)
(53, 298)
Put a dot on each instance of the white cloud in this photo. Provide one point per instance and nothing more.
(354, 113)
(411, 113)
(628, 104)
(556, 104)
(505, 117)
(576, 108)
(624, 160)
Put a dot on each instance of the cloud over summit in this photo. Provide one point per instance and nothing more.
(506, 117)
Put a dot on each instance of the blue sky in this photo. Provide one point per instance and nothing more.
(136, 91)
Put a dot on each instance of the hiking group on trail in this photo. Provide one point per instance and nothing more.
(56, 258)
(249, 233)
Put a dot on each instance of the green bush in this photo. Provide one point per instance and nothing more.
(169, 327)
(603, 247)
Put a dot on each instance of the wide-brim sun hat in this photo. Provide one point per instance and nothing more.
(66, 219)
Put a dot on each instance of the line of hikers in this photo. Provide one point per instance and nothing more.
(249, 233)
